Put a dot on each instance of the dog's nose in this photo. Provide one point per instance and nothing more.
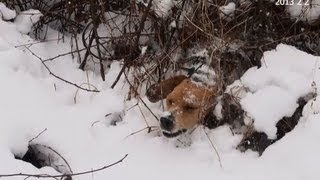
(166, 123)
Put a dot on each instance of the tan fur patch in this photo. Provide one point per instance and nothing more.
(189, 103)
(160, 90)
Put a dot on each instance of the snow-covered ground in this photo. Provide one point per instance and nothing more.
(31, 100)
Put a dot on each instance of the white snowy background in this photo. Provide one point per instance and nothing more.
(31, 100)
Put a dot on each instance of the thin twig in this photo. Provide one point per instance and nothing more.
(38, 135)
(118, 76)
(63, 175)
(28, 44)
(58, 154)
(149, 128)
(89, 86)
(141, 98)
(58, 77)
(212, 145)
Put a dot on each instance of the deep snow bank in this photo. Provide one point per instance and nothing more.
(31, 100)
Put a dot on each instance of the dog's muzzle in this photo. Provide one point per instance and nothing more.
(167, 124)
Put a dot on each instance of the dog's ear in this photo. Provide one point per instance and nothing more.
(160, 90)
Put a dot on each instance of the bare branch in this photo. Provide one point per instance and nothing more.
(63, 175)
(56, 76)
(38, 135)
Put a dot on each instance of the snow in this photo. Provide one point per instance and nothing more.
(218, 111)
(6, 13)
(305, 11)
(227, 11)
(143, 50)
(311, 108)
(32, 100)
(286, 74)
(26, 19)
(173, 25)
(298, 152)
(3, 45)
(162, 8)
(274, 108)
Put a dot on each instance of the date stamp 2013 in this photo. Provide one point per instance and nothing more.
(293, 2)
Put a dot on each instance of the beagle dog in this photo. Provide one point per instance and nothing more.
(187, 103)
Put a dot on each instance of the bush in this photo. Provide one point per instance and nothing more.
(155, 37)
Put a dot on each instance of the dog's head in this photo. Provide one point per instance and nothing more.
(187, 103)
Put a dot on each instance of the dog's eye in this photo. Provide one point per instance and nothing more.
(189, 108)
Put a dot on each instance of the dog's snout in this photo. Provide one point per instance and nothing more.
(167, 123)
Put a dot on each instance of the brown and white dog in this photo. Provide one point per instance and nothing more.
(187, 103)
(190, 103)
